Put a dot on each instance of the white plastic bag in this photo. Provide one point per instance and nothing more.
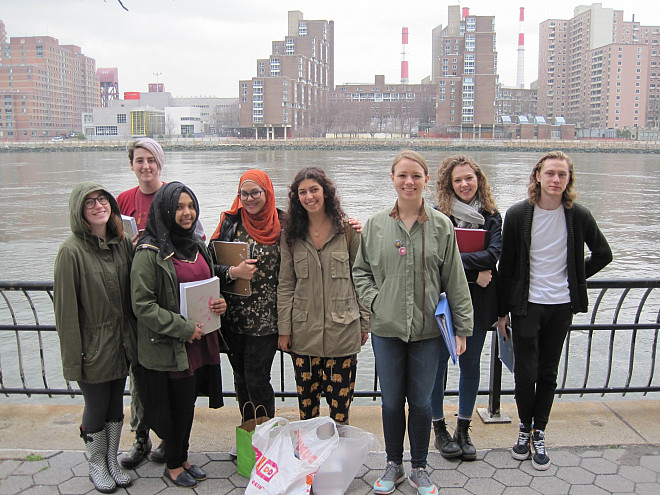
(338, 471)
(288, 454)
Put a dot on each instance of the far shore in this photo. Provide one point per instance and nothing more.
(364, 144)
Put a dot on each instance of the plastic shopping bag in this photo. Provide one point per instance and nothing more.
(338, 471)
(288, 454)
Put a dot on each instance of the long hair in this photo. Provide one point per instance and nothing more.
(297, 221)
(534, 188)
(444, 189)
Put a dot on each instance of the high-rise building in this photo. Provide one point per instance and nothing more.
(596, 70)
(464, 67)
(289, 94)
(44, 88)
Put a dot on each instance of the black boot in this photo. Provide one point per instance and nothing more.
(462, 438)
(141, 447)
(158, 455)
(443, 441)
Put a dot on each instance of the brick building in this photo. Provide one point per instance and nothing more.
(599, 71)
(44, 87)
(289, 94)
(464, 66)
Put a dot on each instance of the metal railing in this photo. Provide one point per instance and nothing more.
(611, 349)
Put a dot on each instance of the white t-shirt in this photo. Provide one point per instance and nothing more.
(548, 273)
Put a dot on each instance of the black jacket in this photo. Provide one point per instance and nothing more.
(513, 283)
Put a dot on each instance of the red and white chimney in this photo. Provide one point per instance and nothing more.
(520, 79)
(404, 62)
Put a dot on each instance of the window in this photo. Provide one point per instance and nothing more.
(106, 130)
(290, 46)
(469, 42)
(121, 118)
(302, 28)
(187, 129)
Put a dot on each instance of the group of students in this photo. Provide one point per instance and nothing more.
(320, 285)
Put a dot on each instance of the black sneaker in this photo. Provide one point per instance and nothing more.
(520, 451)
(540, 459)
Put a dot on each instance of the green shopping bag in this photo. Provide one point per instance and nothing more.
(245, 452)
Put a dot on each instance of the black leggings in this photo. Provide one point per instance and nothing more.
(104, 402)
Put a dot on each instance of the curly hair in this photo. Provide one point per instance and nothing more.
(534, 187)
(297, 223)
(445, 191)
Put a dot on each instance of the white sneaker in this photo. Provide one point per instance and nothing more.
(233, 452)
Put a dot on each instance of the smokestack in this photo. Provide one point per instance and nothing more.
(520, 79)
(466, 12)
(404, 62)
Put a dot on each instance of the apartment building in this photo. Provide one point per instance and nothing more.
(596, 70)
(289, 94)
(44, 87)
(464, 66)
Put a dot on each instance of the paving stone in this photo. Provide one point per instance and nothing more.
(564, 458)
(591, 453)
(67, 459)
(484, 485)
(587, 490)
(614, 453)
(15, 484)
(76, 486)
(147, 486)
(218, 469)
(439, 462)
(550, 486)
(576, 475)
(150, 470)
(358, 487)
(31, 467)
(38, 490)
(8, 467)
(512, 477)
(638, 474)
(477, 469)
(651, 462)
(214, 487)
(375, 460)
(52, 476)
(456, 491)
(647, 488)
(238, 480)
(446, 478)
(599, 465)
(527, 467)
(81, 470)
(501, 459)
(518, 490)
(614, 483)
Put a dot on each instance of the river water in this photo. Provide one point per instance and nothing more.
(621, 190)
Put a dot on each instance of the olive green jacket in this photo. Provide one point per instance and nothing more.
(402, 287)
(92, 299)
(316, 300)
(161, 332)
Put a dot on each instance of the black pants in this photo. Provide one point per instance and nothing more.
(183, 393)
(104, 402)
(538, 339)
(251, 359)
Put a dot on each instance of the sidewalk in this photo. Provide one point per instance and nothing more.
(595, 447)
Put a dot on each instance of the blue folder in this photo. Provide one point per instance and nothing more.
(443, 317)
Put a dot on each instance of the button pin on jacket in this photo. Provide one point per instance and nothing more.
(403, 251)
(397, 243)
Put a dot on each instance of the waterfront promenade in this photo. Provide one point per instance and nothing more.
(596, 448)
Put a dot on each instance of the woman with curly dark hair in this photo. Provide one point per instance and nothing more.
(464, 195)
(325, 332)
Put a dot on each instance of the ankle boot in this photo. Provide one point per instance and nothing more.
(97, 447)
(141, 447)
(462, 438)
(443, 441)
(113, 431)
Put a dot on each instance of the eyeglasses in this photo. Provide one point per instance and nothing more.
(91, 202)
(254, 195)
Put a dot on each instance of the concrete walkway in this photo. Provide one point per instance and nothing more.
(595, 447)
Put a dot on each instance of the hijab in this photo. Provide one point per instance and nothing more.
(264, 227)
(163, 232)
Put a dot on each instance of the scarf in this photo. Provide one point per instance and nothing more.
(264, 227)
(163, 232)
(467, 215)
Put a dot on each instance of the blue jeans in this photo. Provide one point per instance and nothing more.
(406, 371)
(468, 383)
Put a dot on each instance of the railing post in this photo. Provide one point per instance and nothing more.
(492, 414)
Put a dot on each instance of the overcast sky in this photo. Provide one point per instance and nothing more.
(204, 47)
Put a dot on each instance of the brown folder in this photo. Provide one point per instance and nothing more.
(229, 253)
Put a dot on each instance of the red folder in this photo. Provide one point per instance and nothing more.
(470, 240)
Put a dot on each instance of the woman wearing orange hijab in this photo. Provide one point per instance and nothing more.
(250, 324)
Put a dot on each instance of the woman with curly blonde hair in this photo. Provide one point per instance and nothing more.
(464, 195)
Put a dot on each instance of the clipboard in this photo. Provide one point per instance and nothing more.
(443, 317)
(470, 240)
(229, 253)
